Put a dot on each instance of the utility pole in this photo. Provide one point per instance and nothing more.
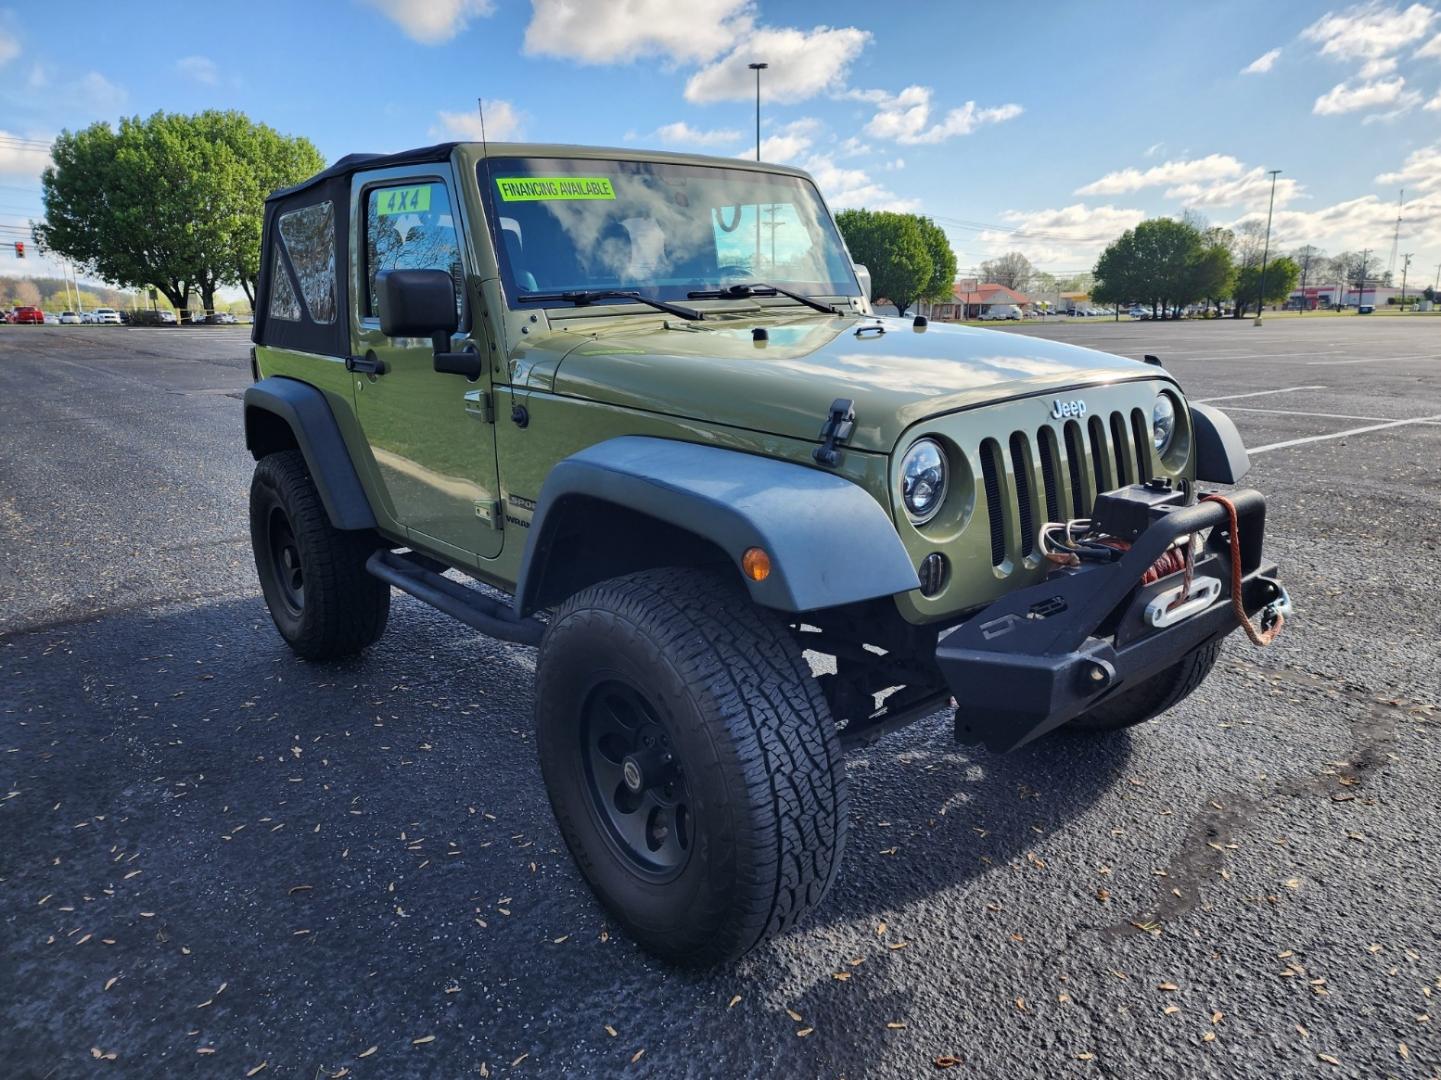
(1396, 236)
(1361, 288)
(1266, 249)
(1405, 265)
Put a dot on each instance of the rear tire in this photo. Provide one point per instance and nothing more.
(732, 822)
(1152, 696)
(313, 575)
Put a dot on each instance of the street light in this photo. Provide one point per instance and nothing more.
(1266, 249)
(758, 68)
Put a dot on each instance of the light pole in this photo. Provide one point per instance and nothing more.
(1361, 288)
(1266, 249)
(758, 68)
(1405, 265)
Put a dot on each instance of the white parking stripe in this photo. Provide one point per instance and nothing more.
(1323, 415)
(1257, 393)
(1340, 434)
(1372, 360)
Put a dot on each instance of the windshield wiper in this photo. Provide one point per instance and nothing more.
(746, 290)
(581, 297)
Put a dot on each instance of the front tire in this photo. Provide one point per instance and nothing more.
(324, 602)
(1152, 696)
(691, 762)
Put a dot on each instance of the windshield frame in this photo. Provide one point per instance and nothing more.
(490, 168)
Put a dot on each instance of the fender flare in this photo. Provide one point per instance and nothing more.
(304, 410)
(829, 541)
(1221, 456)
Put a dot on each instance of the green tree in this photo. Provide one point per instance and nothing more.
(893, 248)
(1156, 263)
(1281, 277)
(170, 201)
(1013, 270)
(943, 260)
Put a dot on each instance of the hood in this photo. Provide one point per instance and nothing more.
(715, 372)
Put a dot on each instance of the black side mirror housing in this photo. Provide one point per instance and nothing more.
(421, 303)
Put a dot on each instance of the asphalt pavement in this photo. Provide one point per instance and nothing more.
(217, 859)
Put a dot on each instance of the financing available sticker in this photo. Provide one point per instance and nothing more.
(549, 188)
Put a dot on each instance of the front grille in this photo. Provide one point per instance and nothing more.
(1041, 477)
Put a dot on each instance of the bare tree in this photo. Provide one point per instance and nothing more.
(1013, 270)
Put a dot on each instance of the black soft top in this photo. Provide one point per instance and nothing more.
(351, 162)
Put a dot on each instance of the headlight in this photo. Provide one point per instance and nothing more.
(1163, 423)
(923, 480)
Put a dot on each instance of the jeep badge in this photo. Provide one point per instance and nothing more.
(1064, 410)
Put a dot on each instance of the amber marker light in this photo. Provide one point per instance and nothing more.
(756, 564)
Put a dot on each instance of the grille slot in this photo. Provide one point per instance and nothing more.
(1102, 465)
(1021, 469)
(1140, 432)
(1050, 471)
(1075, 454)
(1121, 445)
(991, 480)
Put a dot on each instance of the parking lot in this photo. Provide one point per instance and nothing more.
(216, 857)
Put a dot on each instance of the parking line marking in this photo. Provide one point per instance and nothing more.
(1323, 415)
(1257, 393)
(1340, 434)
(1371, 360)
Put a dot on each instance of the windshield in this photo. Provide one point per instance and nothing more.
(662, 229)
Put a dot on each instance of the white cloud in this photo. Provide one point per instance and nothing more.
(201, 69)
(1432, 48)
(1369, 31)
(1421, 170)
(502, 121)
(1355, 223)
(1374, 69)
(906, 117)
(1250, 190)
(1170, 173)
(847, 188)
(98, 93)
(1347, 97)
(21, 156)
(787, 143)
(1262, 63)
(1434, 105)
(803, 63)
(9, 48)
(1070, 234)
(618, 31)
(682, 134)
(432, 22)
(1154, 149)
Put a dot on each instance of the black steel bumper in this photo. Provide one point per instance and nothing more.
(1045, 654)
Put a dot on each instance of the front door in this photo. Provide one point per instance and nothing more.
(431, 433)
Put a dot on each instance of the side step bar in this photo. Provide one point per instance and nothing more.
(415, 574)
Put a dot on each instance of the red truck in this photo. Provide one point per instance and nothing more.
(31, 315)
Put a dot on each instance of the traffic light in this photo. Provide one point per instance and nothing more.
(20, 249)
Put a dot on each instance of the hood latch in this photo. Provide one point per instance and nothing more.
(837, 429)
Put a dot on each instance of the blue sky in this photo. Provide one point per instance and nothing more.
(1046, 130)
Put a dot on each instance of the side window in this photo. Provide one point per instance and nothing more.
(309, 235)
(283, 304)
(410, 227)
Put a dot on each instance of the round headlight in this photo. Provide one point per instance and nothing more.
(923, 480)
(1163, 423)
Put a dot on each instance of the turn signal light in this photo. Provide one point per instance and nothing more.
(756, 564)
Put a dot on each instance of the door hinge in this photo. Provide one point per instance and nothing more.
(477, 404)
(488, 510)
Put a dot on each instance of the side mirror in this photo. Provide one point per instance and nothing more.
(416, 303)
(421, 303)
(863, 275)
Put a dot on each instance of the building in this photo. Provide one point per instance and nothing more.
(971, 299)
(1324, 297)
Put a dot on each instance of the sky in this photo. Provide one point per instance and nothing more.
(1046, 130)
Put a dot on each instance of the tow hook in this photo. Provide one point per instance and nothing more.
(1279, 607)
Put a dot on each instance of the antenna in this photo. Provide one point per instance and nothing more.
(480, 104)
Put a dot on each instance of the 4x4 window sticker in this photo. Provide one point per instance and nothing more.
(308, 236)
(410, 195)
(282, 286)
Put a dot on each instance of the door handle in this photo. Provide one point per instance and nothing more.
(369, 364)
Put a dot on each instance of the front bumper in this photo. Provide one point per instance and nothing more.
(1043, 655)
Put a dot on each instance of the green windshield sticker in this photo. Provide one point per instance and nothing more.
(538, 188)
(403, 200)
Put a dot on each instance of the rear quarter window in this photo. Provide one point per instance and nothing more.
(309, 236)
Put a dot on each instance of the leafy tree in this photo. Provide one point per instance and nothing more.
(1428, 294)
(1156, 263)
(170, 201)
(1281, 277)
(943, 260)
(24, 293)
(1013, 270)
(893, 248)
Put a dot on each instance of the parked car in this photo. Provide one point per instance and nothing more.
(69, 318)
(31, 316)
(51, 319)
(221, 318)
(691, 514)
(107, 315)
(1366, 309)
(1001, 312)
(165, 316)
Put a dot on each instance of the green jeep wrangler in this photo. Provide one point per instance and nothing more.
(640, 400)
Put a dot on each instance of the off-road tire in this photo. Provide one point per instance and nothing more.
(755, 740)
(1152, 696)
(342, 608)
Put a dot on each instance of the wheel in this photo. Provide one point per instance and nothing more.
(691, 762)
(1152, 696)
(313, 575)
